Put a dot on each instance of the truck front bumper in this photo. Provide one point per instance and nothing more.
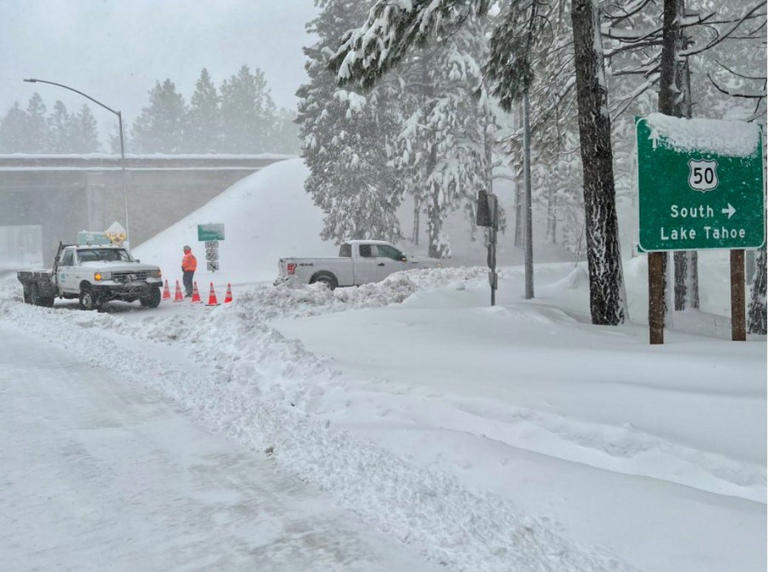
(111, 290)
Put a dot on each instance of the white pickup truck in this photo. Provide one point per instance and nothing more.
(359, 262)
(94, 275)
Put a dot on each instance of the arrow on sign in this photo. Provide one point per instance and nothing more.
(729, 211)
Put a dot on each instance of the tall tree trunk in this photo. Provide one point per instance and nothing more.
(671, 103)
(692, 278)
(519, 200)
(416, 230)
(528, 199)
(434, 214)
(551, 232)
(606, 286)
(757, 302)
(676, 87)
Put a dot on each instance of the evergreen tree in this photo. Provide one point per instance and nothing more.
(345, 136)
(160, 127)
(247, 112)
(391, 30)
(203, 130)
(59, 125)
(442, 150)
(14, 137)
(38, 134)
(83, 132)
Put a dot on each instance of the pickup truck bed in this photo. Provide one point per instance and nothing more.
(38, 286)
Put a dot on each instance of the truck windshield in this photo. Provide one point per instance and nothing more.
(103, 255)
(345, 251)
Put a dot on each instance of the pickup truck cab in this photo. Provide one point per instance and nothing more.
(359, 262)
(94, 275)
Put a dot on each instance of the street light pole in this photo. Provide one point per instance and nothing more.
(122, 142)
(123, 175)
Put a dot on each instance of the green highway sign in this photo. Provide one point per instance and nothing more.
(697, 198)
(209, 232)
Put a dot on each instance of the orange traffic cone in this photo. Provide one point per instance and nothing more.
(212, 298)
(178, 296)
(166, 291)
(228, 295)
(195, 293)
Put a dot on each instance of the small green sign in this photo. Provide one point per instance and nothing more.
(209, 232)
(697, 199)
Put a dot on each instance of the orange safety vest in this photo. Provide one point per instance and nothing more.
(189, 262)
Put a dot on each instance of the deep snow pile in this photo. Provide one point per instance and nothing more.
(259, 387)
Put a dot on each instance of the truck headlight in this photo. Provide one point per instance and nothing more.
(99, 276)
(157, 273)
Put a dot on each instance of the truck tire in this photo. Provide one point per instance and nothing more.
(26, 295)
(153, 300)
(88, 299)
(325, 278)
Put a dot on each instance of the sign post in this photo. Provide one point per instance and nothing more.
(488, 216)
(211, 234)
(696, 192)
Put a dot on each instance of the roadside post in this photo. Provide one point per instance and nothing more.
(700, 186)
(211, 234)
(488, 216)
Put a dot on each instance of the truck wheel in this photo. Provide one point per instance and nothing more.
(325, 278)
(153, 300)
(26, 295)
(89, 300)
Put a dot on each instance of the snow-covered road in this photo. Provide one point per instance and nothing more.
(101, 474)
(480, 439)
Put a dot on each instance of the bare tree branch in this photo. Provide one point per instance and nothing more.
(719, 39)
(734, 94)
(725, 67)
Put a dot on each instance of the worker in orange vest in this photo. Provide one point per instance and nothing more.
(188, 267)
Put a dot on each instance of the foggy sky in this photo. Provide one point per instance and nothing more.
(115, 50)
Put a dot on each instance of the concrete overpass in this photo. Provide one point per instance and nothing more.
(47, 198)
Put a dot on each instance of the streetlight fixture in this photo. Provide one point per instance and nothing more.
(122, 143)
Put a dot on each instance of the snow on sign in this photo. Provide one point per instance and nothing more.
(210, 231)
(700, 183)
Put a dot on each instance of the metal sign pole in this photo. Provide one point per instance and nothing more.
(738, 312)
(656, 297)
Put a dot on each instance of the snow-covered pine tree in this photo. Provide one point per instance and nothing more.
(443, 150)
(160, 127)
(532, 48)
(203, 121)
(83, 132)
(59, 124)
(345, 136)
(13, 131)
(247, 112)
(38, 134)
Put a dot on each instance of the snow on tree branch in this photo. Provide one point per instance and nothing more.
(391, 28)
